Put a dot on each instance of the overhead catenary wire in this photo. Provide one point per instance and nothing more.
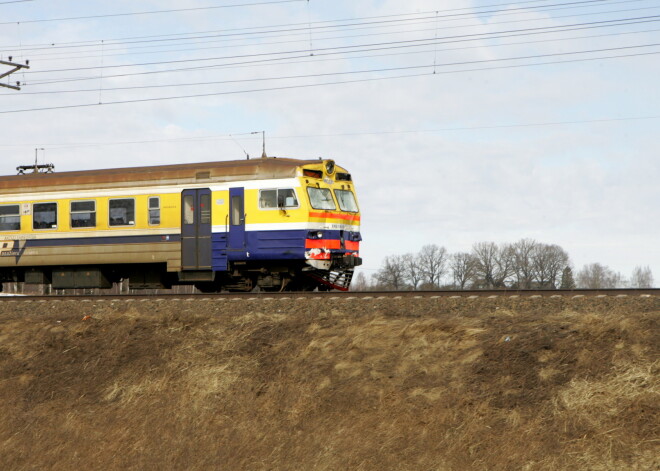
(151, 12)
(303, 28)
(312, 85)
(298, 54)
(152, 49)
(317, 75)
(56, 57)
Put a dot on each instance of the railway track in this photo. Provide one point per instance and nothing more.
(347, 295)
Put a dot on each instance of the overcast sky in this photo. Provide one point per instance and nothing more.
(461, 121)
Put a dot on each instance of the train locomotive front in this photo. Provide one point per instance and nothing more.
(272, 223)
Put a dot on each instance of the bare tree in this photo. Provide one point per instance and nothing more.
(549, 264)
(524, 252)
(413, 270)
(641, 277)
(463, 267)
(494, 264)
(392, 274)
(432, 262)
(359, 283)
(597, 276)
(485, 254)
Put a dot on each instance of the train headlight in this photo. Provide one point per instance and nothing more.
(315, 235)
(329, 167)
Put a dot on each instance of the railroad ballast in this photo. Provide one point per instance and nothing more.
(275, 223)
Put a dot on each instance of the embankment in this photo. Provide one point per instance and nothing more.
(372, 384)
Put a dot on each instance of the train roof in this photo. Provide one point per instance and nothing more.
(193, 173)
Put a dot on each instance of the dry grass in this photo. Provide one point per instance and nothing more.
(362, 385)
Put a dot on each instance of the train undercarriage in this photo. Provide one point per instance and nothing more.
(242, 277)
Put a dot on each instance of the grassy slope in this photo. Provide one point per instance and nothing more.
(359, 384)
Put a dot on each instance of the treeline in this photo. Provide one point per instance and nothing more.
(526, 264)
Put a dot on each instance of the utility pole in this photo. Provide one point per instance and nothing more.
(16, 67)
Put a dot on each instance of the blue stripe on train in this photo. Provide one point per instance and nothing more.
(268, 245)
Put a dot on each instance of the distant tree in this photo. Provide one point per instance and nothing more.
(392, 275)
(432, 263)
(494, 264)
(549, 262)
(462, 266)
(413, 270)
(567, 281)
(360, 283)
(597, 276)
(523, 253)
(484, 254)
(641, 277)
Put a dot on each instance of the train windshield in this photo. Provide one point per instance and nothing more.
(321, 198)
(346, 201)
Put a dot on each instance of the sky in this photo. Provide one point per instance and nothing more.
(460, 121)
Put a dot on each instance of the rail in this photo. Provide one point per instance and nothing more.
(351, 294)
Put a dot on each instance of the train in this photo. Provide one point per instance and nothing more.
(268, 224)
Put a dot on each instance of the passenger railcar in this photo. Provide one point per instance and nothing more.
(272, 223)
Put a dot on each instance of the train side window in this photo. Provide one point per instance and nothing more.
(154, 210)
(321, 198)
(280, 198)
(268, 199)
(122, 212)
(10, 217)
(189, 209)
(286, 198)
(44, 216)
(83, 214)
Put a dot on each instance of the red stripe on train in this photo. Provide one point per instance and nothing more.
(331, 244)
(326, 215)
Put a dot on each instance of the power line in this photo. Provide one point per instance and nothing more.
(368, 48)
(369, 56)
(290, 87)
(317, 75)
(151, 12)
(215, 38)
(389, 43)
(346, 23)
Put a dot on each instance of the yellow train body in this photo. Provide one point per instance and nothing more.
(239, 224)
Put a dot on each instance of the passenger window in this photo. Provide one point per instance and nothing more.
(122, 212)
(189, 209)
(10, 218)
(83, 214)
(346, 201)
(321, 198)
(268, 199)
(280, 198)
(154, 210)
(205, 209)
(44, 216)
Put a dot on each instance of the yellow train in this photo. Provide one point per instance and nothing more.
(272, 223)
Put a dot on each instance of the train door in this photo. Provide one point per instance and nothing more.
(196, 229)
(236, 237)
